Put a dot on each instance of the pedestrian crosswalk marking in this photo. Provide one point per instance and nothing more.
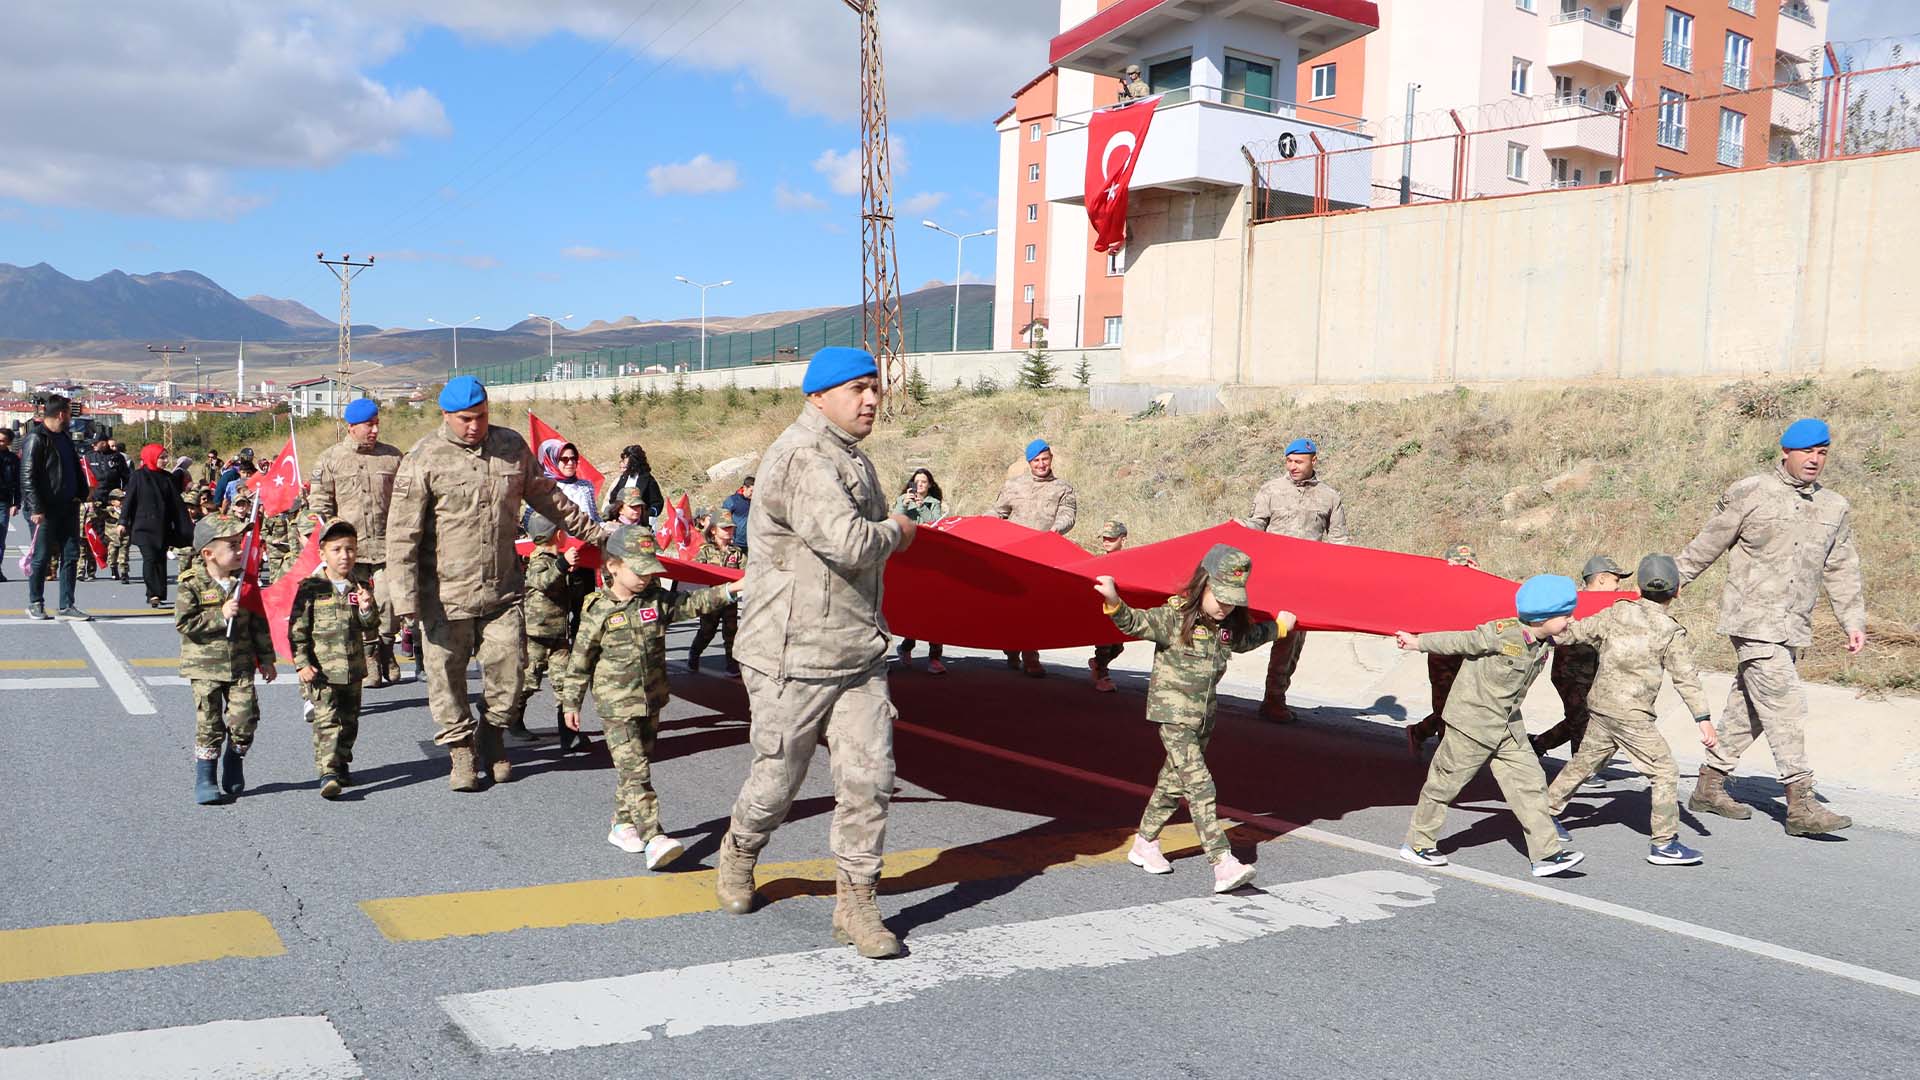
(49, 952)
(77, 682)
(133, 697)
(746, 993)
(277, 1048)
(611, 900)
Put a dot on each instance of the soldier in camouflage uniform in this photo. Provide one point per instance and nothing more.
(622, 654)
(1112, 537)
(1788, 535)
(1039, 500)
(353, 481)
(222, 645)
(552, 597)
(119, 546)
(1194, 635)
(1575, 665)
(333, 616)
(1484, 728)
(1639, 645)
(1441, 670)
(1302, 506)
(718, 550)
(1132, 86)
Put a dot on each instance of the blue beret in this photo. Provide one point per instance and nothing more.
(1302, 446)
(462, 392)
(837, 364)
(1036, 448)
(1544, 596)
(1805, 435)
(361, 410)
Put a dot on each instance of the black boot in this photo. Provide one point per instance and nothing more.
(206, 781)
(233, 776)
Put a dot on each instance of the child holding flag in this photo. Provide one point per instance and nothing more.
(333, 617)
(221, 646)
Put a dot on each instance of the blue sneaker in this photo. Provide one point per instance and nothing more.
(1673, 853)
(1560, 831)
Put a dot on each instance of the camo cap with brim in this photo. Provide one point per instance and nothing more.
(635, 546)
(216, 527)
(1227, 570)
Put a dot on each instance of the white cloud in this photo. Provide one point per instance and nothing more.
(701, 175)
(789, 199)
(589, 253)
(452, 258)
(925, 202)
(842, 167)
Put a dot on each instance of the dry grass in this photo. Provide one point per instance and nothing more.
(1416, 474)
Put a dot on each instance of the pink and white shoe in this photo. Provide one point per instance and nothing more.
(935, 667)
(1145, 854)
(626, 838)
(1230, 873)
(662, 850)
(1103, 685)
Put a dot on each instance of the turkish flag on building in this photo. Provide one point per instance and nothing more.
(278, 487)
(1114, 139)
(539, 432)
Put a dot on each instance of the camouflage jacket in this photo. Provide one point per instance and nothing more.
(329, 632)
(621, 651)
(1501, 662)
(456, 510)
(1787, 539)
(1639, 645)
(1047, 505)
(1185, 675)
(821, 538)
(733, 558)
(357, 486)
(206, 652)
(553, 595)
(1309, 511)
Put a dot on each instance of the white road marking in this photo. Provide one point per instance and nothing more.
(744, 993)
(277, 1048)
(133, 697)
(258, 685)
(53, 682)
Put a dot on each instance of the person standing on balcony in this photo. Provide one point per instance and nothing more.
(1301, 506)
(1133, 87)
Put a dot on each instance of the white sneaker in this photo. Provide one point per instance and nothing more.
(662, 850)
(1230, 874)
(626, 838)
(1146, 855)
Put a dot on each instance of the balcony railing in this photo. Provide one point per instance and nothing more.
(1733, 153)
(1587, 14)
(1798, 11)
(1801, 90)
(1672, 135)
(1736, 76)
(1741, 5)
(1235, 99)
(1674, 54)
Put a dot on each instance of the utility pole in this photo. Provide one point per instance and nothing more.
(166, 354)
(881, 290)
(703, 310)
(959, 250)
(550, 324)
(1406, 149)
(346, 270)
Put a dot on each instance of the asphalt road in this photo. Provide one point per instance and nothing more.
(407, 931)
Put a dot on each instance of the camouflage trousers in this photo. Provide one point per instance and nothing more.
(1281, 664)
(1649, 750)
(1573, 682)
(1766, 698)
(223, 709)
(119, 554)
(789, 717)
(447, 646)
(630, 739)
(1515, 768)
(1185, 776)
(723, 622)
(544, 658)
(335, 717)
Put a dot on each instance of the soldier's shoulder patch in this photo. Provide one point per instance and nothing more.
(617, 619)
(1226, 636)
(1201, 633)
(650, 614)
(1178, 603)
(1505, 624)
(211, 596)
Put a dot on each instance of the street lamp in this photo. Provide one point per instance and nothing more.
(960, 245)
(550, 322)
(455, 327)
(703, 311)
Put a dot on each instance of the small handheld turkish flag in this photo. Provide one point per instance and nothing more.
(1115, 138)
(278, 487)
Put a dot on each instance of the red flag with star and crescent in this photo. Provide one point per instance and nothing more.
(1115, 138)
(278, 486)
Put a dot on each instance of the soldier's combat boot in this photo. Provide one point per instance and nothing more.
(462, 778)
(517, 726)
(733, 877)
(233, 775)
(376, 674)
(1710, 796)
(856, 920)
(389, 667)
(1805, 815)
(493, 747)
(206, 781)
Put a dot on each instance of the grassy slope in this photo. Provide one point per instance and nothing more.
(1416, 474)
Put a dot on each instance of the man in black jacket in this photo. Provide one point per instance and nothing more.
(52, 488)
(9, 490)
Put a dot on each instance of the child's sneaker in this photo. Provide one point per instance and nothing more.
(626, 838)
(1145, 854)
(329, 786)
(1673, 853)
(1422, 856)
(1103, 685)
(662, 850)
(1230, 873)
(935, 667)
(1557, 864)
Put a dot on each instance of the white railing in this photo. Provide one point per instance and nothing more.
(1587, 14)
(1674, 54)
(1745, 6)
(1733, 153)
(1233, 99)
(1736, 76)
(1798, 11)
(1673, 135)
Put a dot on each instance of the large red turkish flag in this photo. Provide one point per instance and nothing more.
(279, 486)
(1114, 139)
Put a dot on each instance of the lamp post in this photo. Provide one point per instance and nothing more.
(703, 310)
(959, 247)
(550, 321)
(455, 327)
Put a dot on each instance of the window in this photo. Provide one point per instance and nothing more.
(1733, 138)
(1033, 172)
(1522, 79)
(1611, 99)
(1741, 5)
(1557, 168)
(1606, 176)
(1325, 80)
(1117, 261)
(1677, 49)
(1033, 252)
(1739, 60)
(1033, 133)
(1026, 294)
(1112, 330)
(1563, 89)
(1171, 77)
(1523, 5)
(1033, 211)
(1673, 119)
(1249, 84)
(1516, 161)
(1664, 174)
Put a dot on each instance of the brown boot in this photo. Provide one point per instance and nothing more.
(1710, 796)
(389, 666)
(495, 750)
(1805, 815)
(733, 877)
(462, 778)
(856, 920)
(376, 675)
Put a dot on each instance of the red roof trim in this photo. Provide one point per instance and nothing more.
(1361, 12)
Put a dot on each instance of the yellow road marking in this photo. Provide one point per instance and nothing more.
(48, 952)
(42, 665)
(611, 900)
(156, 661)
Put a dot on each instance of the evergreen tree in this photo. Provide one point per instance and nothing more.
(1083, 373)
(918, 391)
(1038, 372)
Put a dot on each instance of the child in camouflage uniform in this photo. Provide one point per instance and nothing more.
(1639, 645)
(552, 595)
(183, 556)
(222, 645)
(1194, 635)
(1574, 666)
(718, 550)
(1483, 725)
(119, 560)
(621, 652)
(332, 618)
(632, 507)
(1112, 538)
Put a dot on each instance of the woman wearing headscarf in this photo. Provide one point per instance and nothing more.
(183, 472)
(637, 474)
(155, 519)
(561, 462)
